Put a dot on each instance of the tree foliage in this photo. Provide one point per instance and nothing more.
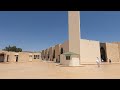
(12, 48)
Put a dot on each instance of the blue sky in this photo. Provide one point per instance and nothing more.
(37, 30)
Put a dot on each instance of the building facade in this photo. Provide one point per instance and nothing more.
(88, 50)
(85, 51)
(6, 56)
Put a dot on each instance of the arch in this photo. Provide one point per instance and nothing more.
(48, 54)
(103, 54)
(61, 51)
(53, 54)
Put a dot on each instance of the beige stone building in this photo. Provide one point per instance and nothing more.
(72, 52)
(6, 56)
(76, 51)
(110, 51)
(89, 51)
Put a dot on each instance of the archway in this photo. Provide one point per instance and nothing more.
(48, 55)
(61, 50)
(103, 54)
(53, 54)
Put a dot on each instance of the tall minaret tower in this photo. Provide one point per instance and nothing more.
(74, 31)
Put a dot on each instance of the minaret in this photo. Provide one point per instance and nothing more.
(74, 31)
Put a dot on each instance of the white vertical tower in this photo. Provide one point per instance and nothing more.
(74, 31)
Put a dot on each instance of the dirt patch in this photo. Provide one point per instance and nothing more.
(51, 70)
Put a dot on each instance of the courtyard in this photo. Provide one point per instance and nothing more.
(49, 70)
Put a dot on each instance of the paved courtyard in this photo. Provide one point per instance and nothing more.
(50, 70)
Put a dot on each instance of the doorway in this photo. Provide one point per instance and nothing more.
(103, 54)
(16, 58)
(30, 57)
(7, 58)
(2, 57)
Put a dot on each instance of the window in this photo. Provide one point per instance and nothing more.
(36, 56)
(67, 57)
(16, 55)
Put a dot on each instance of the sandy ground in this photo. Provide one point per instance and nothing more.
(50, 70)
